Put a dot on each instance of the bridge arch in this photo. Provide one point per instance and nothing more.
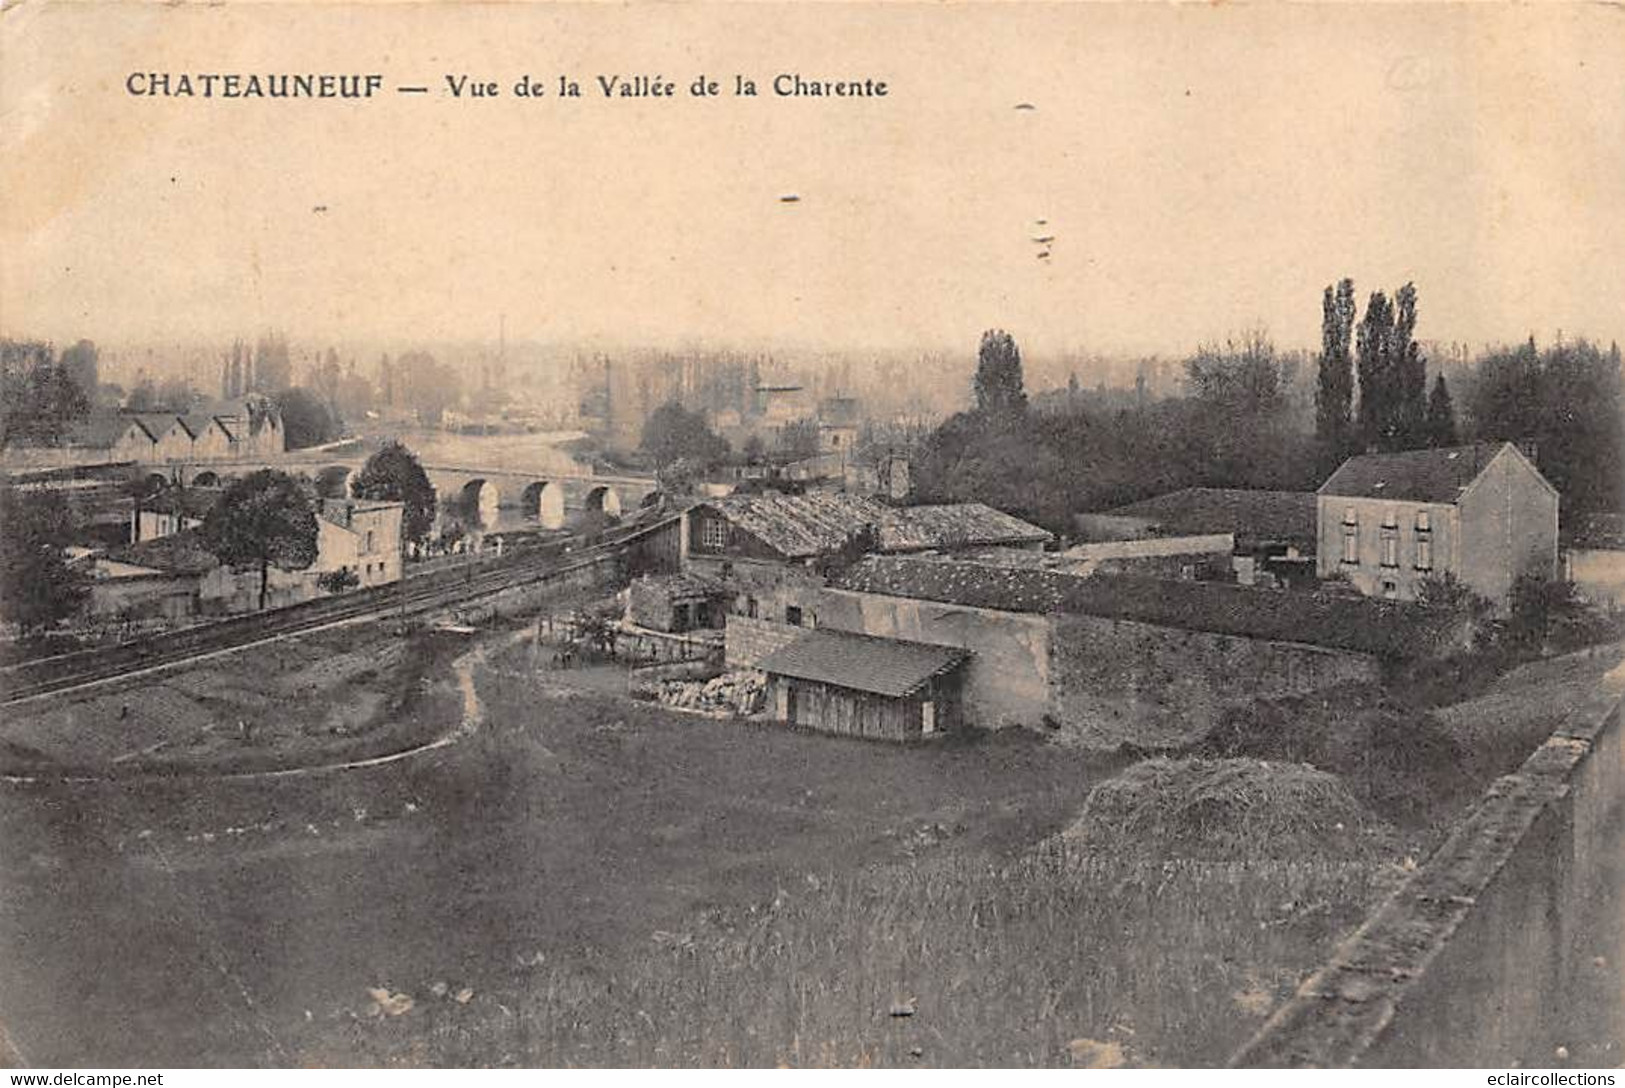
(206, 478)
(604, 499)
(544, 501)
(481, 502)
(333, 482)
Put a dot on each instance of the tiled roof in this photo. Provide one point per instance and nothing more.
(191, 501)
(1597, 531)
(800, 526)
(882, 666)
(340, 512)
(1249, 515)
(1367, 625)
(177, 553)
(1413, 476)
(198, 422)
(102, 430)
(819, 523)
(916, 528)
(685, 587)
(159, 423)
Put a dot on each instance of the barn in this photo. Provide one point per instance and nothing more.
(857, 685)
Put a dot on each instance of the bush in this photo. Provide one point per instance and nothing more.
(338, 581)
(1396, 760)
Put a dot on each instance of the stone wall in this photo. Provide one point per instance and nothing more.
(1505, 945)
(747, 641)
(1116, 681)
(1098, 682)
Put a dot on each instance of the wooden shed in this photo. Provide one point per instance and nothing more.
(858, 685)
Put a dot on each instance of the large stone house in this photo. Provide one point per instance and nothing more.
(1389, 521)
(361, 535)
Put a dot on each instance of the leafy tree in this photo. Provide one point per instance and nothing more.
(672, 432)
(394, 474)
(175, 395)
(424, 384)
(998, 381)
(1565, 400)
(306, 418)
(143, 395)
(1410, 374)
(338, 581)
(263, 520)
(39, 400)
(354, 397)
(1538, 605)
(325, 379)
(1334, 392)
(1393, 375)
(273, 366)
(171, 395)
(38, 588)
(680, 480)
(1440, 425)
(799, 440)
(81, 363)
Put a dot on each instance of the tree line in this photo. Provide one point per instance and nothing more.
(1234, 424)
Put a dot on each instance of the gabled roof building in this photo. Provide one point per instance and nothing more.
(1387, 522)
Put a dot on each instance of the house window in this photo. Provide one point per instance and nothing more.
(1423, 523)
(1390, 547)
(1351, 536)
(714, 534)
(1390, 589)
(1390, 518)
(368, 548)
(1424, 552)
(751, 607)
(792, 614)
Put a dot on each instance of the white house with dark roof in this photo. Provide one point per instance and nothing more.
(1389, 521)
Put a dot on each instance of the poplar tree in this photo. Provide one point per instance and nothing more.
(998, 384)
(1334, 393)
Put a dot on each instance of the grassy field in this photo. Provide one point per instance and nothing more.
(585, 880)
(1057, 959)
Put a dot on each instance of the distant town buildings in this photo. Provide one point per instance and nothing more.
(247, 429)
(166, 572)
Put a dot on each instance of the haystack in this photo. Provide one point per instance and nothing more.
(1228, 809)
(1398, 761)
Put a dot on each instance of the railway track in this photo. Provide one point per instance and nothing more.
(426, 593)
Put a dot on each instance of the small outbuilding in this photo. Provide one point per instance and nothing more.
(858, 685)
(677, 603)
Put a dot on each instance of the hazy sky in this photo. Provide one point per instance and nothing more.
(1203, 168)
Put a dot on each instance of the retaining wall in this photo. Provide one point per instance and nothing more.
(747, 641)
(1504, 945)
(602, 572)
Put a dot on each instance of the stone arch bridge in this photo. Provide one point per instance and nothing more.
(548, 499)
